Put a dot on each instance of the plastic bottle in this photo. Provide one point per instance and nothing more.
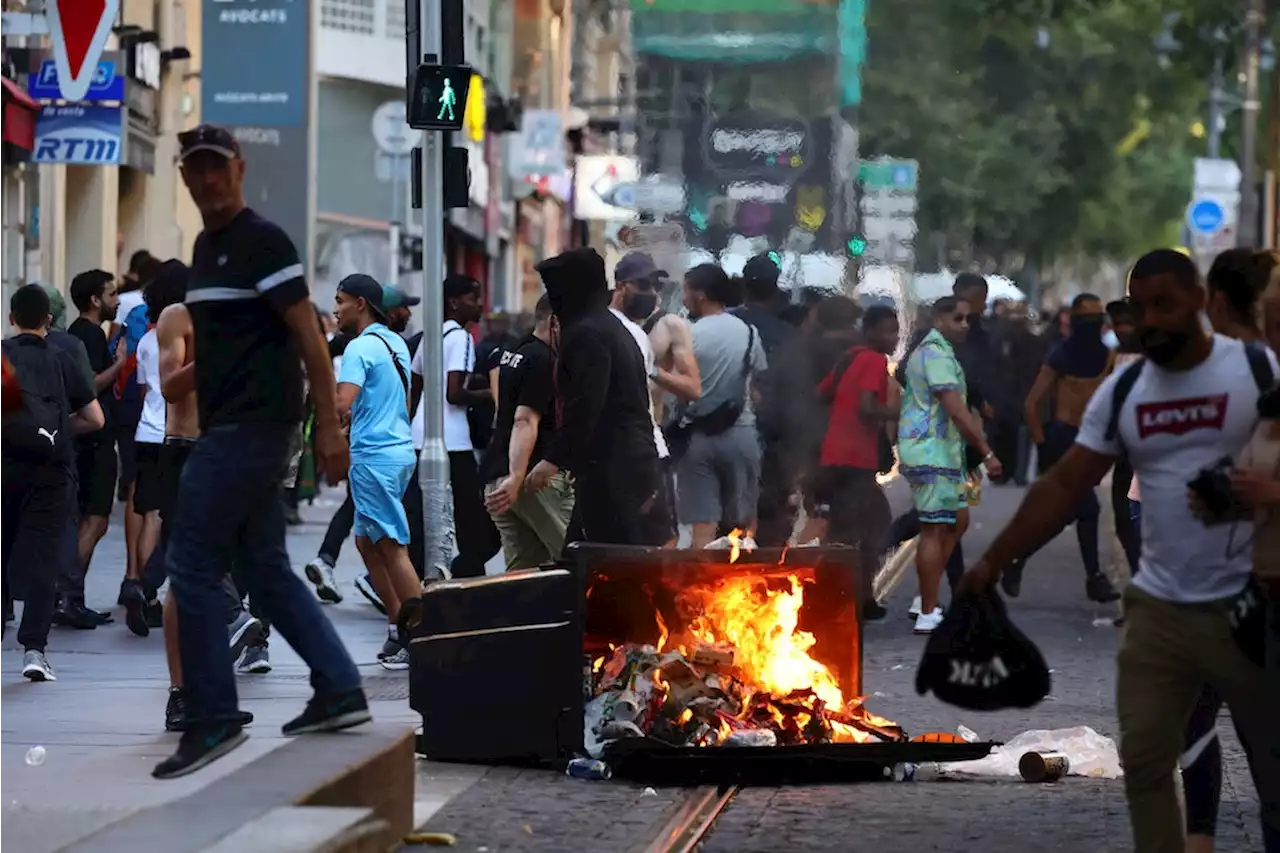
(588, 768)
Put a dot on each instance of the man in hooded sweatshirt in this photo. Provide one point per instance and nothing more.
(605, 437)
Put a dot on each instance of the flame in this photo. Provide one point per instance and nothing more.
(761, 625)
(735, 544)
(663, 633)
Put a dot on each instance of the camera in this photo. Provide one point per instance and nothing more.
(1212, 487)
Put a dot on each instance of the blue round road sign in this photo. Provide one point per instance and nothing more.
(1206, 216)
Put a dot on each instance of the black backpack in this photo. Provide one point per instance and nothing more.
(40, 431)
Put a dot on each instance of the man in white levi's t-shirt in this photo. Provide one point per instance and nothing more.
(1193, 403)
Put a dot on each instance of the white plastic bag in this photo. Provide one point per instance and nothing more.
(1090, 754)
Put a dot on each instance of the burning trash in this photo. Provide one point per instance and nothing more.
(738, 672)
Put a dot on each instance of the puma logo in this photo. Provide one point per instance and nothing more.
(52, 436)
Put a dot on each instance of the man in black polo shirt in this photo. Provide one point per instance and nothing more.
(254, 326)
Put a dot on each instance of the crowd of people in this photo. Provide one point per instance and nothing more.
(201, 395)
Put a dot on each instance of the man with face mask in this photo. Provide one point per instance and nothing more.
(635, 299)
(1192, 402)
(1072, 372)
(605, 434)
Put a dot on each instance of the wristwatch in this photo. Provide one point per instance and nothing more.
(991, 454)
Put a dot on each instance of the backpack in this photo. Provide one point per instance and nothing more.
(1259, 366)
(648, 325)
(132, 330)
(40, 431)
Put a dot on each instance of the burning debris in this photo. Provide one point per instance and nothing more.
(737, 673)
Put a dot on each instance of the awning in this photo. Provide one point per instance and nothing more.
(20, 113)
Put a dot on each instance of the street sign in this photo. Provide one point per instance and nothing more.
(80, 29)
(1206, 216)
(540, 146)
(438, 97)
(107, 83)
(888, 173)
(80, 135)
(391, 131)
(651, 195)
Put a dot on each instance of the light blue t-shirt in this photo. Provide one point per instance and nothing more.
(380, 432)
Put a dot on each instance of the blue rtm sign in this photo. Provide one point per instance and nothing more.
(79, 135)
(1206, 216)
(107, 85)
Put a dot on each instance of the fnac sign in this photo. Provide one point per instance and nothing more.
(79, 29)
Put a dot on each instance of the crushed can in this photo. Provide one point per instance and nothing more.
(1043, 766)
(588, 768)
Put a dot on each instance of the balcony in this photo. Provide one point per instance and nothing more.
(362, 40)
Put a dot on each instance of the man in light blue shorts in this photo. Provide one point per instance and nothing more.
(373, 397)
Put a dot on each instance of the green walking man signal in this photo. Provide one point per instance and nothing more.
(435, 96)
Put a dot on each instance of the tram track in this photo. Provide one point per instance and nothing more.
(690, 821)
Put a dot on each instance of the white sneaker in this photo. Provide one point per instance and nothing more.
(320, 573)
(926, 622)
(35, 666)
(396, 662)
(914, 610)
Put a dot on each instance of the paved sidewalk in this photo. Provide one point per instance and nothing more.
(101, 723)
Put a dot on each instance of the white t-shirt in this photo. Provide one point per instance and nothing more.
(459, 357)
(646, 350)
(128, 301)
(1173, 425)
(151, 425)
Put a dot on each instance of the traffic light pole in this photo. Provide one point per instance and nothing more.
(433, 462)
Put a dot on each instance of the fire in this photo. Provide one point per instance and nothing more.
(735, 544)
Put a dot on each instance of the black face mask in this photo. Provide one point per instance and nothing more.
(1087, 327)
(638, 306)
(1162, 346)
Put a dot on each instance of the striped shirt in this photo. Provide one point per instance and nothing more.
(248, 369)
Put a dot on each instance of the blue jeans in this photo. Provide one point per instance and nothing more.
(228, 509)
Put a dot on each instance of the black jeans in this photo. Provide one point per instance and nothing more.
(478, 539)
(609, 501)
(1127, 531)
(857, 513)
(342, 521)
(37, 500)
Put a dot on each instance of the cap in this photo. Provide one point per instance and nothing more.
(364, 287)
(765, 266)
(57, 307)
(635, 266)
(459, 285)
(394, 297)
(208, 137)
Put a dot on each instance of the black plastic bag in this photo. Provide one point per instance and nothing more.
(977, 658)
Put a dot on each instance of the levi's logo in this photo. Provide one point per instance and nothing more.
(986, 674)
(1179, 417)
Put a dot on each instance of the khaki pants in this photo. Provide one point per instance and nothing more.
(1168, 653)
(533, 529)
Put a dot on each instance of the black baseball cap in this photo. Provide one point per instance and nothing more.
(208, 137)
(367, 288)
(765, 266)
(636, 266)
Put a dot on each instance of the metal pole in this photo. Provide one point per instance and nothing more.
(1215, 110)
(1247, 231)
(393, 227)
(433, 463)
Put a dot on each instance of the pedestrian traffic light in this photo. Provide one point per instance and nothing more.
(857, 246)
(438, 97)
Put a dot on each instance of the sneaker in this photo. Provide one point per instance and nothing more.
(914, 610)
(256, 661)
(330, 714)
(926, 622)
(175, 712)
(135, 609)
(391, 644)
(102, 617)
(873, 612)
(365, 587)
(154, 612)
(244, 632)
(320, 573)
(199, 746)
(35, 666)
(1099, 589)
(396, 662)
(71, 614)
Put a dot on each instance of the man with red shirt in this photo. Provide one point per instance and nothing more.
(856, 448)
